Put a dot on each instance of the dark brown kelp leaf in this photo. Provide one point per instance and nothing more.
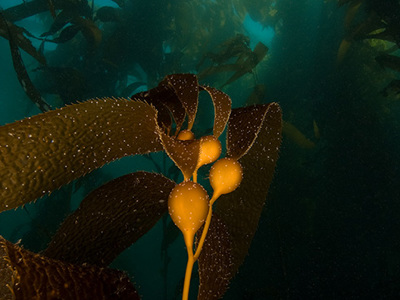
(163, 96)
(111, 218)
(251, 61)
(186, 87)
(20, 69)
(222, 107)
(183, 153)
(32, 276)
(90, 31)
(241, 210)
(19, 39)
(163, 116)
(41, 153)
(215, 261)
(6, 275)
(243, 130)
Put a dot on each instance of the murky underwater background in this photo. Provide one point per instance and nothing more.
(330, 226)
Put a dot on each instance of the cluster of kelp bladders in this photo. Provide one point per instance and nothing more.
(41, 153)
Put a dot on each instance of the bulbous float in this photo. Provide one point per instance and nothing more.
(188, 206)
(225, 176)
(210, 151)
(185, 135)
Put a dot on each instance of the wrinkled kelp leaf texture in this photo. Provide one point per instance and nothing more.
(254, 135)
(26, 275)
(111, 218)
(44, 152)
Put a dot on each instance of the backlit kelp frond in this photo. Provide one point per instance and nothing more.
(186, 88)
(183, 153)
(254, 135)
(241, 210)
(163, 97)
(244, 127)
(41, 153)
(26, 275)
(215, 261)
(111, 218)
(222, 108)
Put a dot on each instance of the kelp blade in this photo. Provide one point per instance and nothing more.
(111, 218)
(26, 275)
(222, 109)
(241, 210)
(44, 152)
(238, 213)
(165, 100)
(186, 88)
(18, 38)
(183, 153)
(215, 261)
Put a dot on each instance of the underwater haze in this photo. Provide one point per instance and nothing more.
(330, 224)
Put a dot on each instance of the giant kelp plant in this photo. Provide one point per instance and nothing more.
(41, 153)
(331, 224)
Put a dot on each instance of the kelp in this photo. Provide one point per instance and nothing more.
(16, 35)
(222, 108)
(246, 60)
(241, 210)
(111, 218)
(27, 275)
(30, 8)
(215, 261)
(41, 153)
(237, 214)
(16, 39)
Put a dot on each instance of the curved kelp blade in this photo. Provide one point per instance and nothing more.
(215, 261)
(163, 96)
(14, 39)
(90, 31)
(67, 34)
(186, 88)
(244, 126)
(111, 218)
(16, 35)
(183, 153)
(27, 275)
(222, 107)
(241, 210)
(42, 153)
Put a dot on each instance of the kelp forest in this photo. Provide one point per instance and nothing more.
(170, 149)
